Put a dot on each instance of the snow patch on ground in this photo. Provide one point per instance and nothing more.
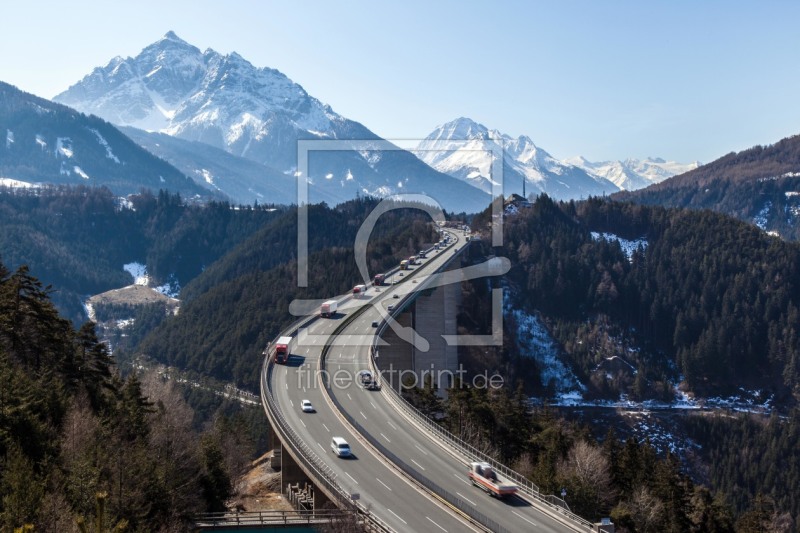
(104, 143)
(89, 309)
(746, 401)
(535, 341)
(63, 146)
(79, 171)
(760, 219)
(16, 184)
(628, 246)
(171, 288)
(139, 273)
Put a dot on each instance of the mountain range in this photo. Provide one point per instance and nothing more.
(176, 100)
(258, 114)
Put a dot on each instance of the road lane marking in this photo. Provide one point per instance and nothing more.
(362, 414)
(308, 349)
(385, 485)
(435, 524)
(287, 386)
(462, 479)
(393, 426)
(321, 446)
(348, 395)
(528, 521)
(304, 424)
(351, 477)
(420, 449)
(466, 499)
(396, 516)
(416, 463)
(326, 427)
(372, 404)
(385, 437)
(291, 402)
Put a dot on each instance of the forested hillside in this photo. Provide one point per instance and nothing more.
(45, 142)
(704, 298)
(78, 238)
(74, 434)
(242, 302)
(759, 185)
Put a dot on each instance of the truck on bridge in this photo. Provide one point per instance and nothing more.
(282, 350)
(328, 309)
(379, 279)
(483, 475)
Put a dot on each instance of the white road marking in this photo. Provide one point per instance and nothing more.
(420, 449)
(393, 426)
(304, 424)
(287, 386)
(462, 479)
(396, 516)
(321, 446)
(348, 395)
(326, 427)
(307, 350)
(466, 499)
(351, 477)
(435, 524)
(416, 463)
(382, 435)
(528, 521)
(372, 404)
(291, 402)
(362, 414)
(385, 485)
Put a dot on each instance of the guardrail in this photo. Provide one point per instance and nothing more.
(309, 461)
(270, 518)
(554, 502)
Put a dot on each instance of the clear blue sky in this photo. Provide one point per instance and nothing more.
(684, 80)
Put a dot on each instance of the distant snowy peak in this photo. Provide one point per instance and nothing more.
(632, 174)
(223, 100)
(466, 150)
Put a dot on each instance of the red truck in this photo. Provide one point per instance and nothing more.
(282, 350)
(379, 279)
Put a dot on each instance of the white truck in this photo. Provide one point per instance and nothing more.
(328, 309)
(484, 476)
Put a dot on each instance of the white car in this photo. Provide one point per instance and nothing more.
(306, 406)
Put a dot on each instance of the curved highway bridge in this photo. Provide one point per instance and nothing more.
(406, 474)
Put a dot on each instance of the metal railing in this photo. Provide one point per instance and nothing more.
(451, 440)
(309, 461)
(270, 518)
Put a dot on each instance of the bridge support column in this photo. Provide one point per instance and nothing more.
(291, 473)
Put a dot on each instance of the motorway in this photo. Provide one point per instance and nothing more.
(389, 495)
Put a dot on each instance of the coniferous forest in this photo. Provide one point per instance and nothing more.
(708, 304)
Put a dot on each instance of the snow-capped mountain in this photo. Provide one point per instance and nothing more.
(257, 113)
(633, 174)
(51, 143)
(466, 150)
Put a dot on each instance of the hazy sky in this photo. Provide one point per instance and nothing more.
(684, 80)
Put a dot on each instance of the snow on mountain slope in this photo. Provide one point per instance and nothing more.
(465, 149)
(632, 174)
(256, 113)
